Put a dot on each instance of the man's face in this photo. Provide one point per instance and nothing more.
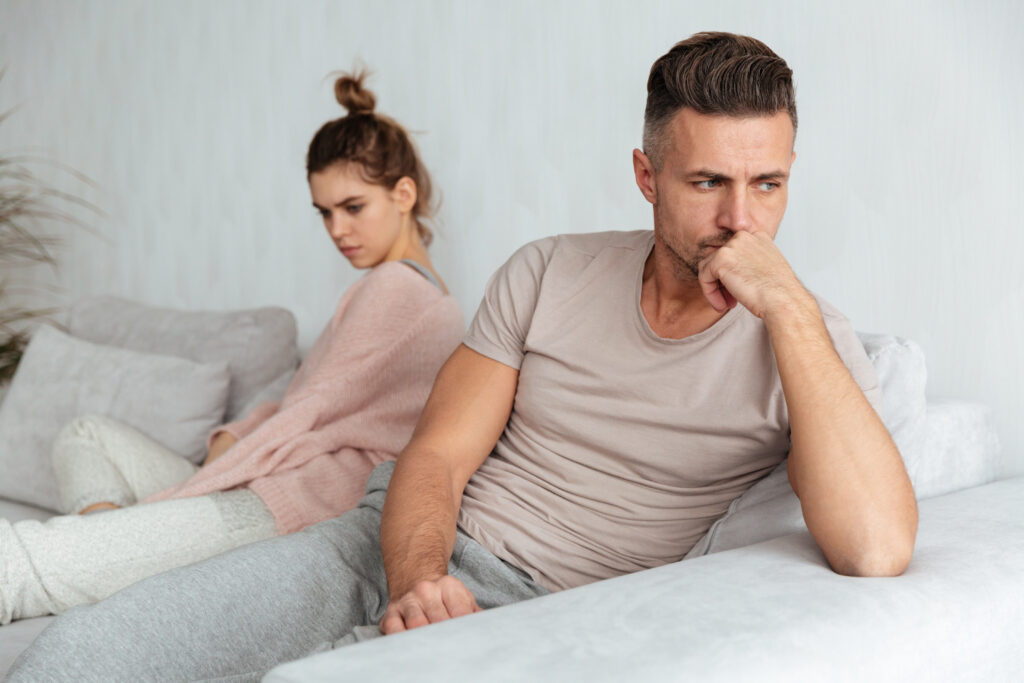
(719, 175)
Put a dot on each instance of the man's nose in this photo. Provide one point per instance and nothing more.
(734, 212)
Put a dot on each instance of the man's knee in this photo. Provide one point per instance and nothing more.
(60, 652)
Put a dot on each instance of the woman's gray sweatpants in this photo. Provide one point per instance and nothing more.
(237, 615)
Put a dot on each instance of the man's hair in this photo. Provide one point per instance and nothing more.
(715, 73)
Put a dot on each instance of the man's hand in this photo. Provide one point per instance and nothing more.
(751, 270)
(428, 602)
(219, 446)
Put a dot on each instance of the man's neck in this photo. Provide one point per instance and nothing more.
(673, 303)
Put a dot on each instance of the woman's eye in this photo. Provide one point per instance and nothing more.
(354, 208)
(324, 213)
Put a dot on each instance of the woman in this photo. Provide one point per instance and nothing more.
(352, 404)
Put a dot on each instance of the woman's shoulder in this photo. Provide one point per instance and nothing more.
(393, 297)
(394, 285)
(399, 275)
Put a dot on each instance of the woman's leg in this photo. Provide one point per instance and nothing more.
(97, 459)
(48, 567)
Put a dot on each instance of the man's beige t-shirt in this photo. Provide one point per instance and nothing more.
(622, 447)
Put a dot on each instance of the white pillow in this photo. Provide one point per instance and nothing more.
(174, 401)
(770, 509)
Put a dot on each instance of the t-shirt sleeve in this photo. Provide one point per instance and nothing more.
(852, 353)
(503, 319)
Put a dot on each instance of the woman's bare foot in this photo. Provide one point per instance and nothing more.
(96, 507)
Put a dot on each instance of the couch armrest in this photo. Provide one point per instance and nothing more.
(772, 609)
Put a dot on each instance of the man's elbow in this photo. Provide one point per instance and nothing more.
(880, 558)
(872, 565)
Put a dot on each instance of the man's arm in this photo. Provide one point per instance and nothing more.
(854, 491)
(467, 410)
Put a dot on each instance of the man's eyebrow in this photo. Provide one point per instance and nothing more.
(707, 173)
(772, 175)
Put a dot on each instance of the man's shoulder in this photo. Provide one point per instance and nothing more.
(582, 246)
(593, 243)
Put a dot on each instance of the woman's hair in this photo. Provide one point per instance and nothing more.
(380, 146)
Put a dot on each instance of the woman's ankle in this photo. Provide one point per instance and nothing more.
(98, 507)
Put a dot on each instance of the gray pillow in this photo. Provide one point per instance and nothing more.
(272, 393)
(258, 344)
(173, 400)
(770, 509)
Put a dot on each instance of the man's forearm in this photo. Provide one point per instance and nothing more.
(856, 497)
(418, 522)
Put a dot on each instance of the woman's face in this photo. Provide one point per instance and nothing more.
(368, 223)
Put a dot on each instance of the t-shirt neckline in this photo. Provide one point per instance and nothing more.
(645, 328)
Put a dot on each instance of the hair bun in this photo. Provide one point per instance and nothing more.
(351, 94)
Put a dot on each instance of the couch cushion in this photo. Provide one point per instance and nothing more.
(770, 508)
(15, 512)
(258, 344)
(173, 400)
(770, 612)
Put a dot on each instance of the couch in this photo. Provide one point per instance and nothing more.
(149, 366)
(754, 599)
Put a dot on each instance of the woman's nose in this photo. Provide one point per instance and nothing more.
(337, 227)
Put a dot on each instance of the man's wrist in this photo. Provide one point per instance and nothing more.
(403, 586)
(792, 305)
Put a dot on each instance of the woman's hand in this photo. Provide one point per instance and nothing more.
(219, 446)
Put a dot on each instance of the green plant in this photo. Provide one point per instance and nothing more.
(28, 207)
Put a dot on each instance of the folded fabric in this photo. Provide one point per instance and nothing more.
(173, 400)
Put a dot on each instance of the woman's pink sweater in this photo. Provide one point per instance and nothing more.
(353, 403)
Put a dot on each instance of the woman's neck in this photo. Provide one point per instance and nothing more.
(410, 247)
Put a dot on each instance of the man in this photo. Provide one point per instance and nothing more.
(615, 392)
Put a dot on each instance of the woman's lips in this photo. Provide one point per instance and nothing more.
(349, 251)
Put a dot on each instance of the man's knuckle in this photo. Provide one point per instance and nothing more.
(423, 588)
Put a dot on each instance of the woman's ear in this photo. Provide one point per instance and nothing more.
(404, 194)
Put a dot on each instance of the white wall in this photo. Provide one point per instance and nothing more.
(193, 118)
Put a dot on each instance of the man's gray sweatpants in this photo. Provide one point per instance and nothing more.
(237, 615)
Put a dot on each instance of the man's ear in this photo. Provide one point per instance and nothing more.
(404, 194)
(643, 169)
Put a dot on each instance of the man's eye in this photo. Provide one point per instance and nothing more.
(707, 184)
(354, 208)
(767, 186)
